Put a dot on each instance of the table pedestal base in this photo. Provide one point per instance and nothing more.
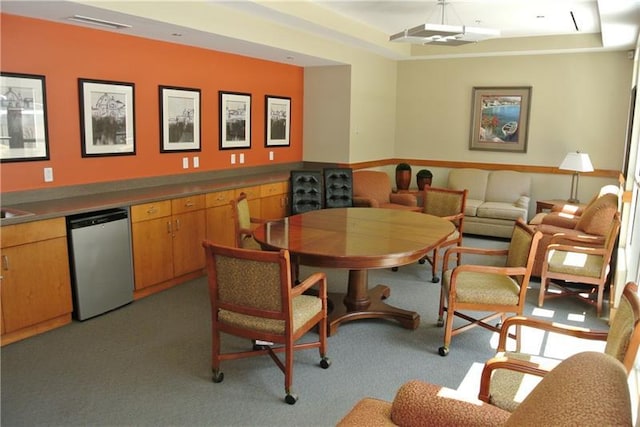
(362, 303)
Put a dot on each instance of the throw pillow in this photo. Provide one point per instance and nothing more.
(597, 218)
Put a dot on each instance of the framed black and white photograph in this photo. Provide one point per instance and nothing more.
(179, 119)
(277, 121)
(23, 118)
(235, 120)
(107, 118)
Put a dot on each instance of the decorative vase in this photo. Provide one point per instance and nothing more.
(423, 177)
(403, 179)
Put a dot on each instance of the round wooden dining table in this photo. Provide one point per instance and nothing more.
(357, 239)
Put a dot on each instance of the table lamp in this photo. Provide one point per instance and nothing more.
(576, 162)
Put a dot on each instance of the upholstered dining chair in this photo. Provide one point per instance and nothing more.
(587, 389)
(507, 377)
(570, 264)
(252, 296)
(495, 289)
(448, 204)
(244, 223)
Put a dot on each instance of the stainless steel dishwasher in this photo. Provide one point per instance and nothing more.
(101, 262)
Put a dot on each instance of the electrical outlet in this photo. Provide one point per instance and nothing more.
(185, 163)
(233, 159)
(270, 155)
(48, 174)
(196, 162)
(241, 158)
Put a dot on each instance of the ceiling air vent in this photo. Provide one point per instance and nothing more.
(98, 22)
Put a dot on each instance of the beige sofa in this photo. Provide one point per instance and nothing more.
(496, 199)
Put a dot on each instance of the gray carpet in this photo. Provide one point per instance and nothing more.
(148, 363)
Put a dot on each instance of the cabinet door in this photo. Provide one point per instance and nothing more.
(273, 201)
(35, 283)
(152, 251)
(220, 225)
(189, 232)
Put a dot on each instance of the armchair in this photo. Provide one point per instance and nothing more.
(591, 220)
(507, 377)
(498, 290)
(573, 261)
(570, 395)
(252, 296)
(373, 189)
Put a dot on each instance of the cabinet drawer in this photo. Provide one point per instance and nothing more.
(272, 189)
(187, 204)
(149, 211)
(219, 198)
(19, 234)
(251, 192)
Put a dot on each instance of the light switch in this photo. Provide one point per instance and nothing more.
(270, 155)
(233, 159)
(241, 158)
(48, 174)
(196, 162)
(185, 163)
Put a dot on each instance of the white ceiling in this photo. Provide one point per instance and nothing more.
(367, 24)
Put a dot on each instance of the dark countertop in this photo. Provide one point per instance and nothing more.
(66, 206)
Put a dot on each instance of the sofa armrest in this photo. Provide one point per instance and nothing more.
(403, 199)
(365, 202)
(422, 404)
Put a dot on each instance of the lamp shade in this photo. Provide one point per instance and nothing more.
(577, 162)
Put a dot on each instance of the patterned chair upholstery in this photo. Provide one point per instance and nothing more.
(494, 289)
(252, 296)
(571, 394)
(306, 191)
(338, 187)
(507, 377)
(571, 263)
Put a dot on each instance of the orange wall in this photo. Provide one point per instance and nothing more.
(63, 53)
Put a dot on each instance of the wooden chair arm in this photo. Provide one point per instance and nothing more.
(457, 250)
(580, 238)
(315, 279)
(577, 249)
(504, 362)
(546, 326)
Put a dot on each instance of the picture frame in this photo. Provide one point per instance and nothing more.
(235, 120)
(500, 119)
(107, 118)
(179, 119)
(23, 118)
(277, 121)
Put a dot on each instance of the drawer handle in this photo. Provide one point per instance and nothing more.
(152, 210)
(189, 204)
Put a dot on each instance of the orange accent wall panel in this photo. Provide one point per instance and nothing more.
(64, 53)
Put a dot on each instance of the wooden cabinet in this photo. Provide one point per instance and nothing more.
(167, 242)
(219, 217)
(274, 199)
(36, 284)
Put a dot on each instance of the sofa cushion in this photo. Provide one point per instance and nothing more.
(471, 207)
(507, 186)
(473, 180)
(597, 217)
(501, 210)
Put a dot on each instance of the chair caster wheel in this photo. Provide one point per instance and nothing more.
(435, 279)
(499, 325)
(291, 399)
(440, 323)
(443, 351)
(394, 268)
(325, 363)
(217, 376)
(422, 261)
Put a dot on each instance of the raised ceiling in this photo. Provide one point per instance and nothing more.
(527, 26)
